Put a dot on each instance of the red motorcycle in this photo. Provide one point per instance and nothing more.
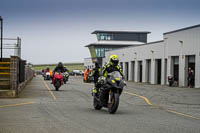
(58, 80)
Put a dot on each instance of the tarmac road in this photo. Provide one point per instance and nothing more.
(142, 109)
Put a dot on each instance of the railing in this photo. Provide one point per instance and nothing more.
(11, 47)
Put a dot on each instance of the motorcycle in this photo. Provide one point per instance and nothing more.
(65, 77)
(108, 94)
(170, 80)
(58, 80)
(47, 76)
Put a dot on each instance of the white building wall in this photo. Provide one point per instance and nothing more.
(144, 71)
(140, 53)
(163, 71)
(181, 43)
(190, 39)
(153, 74)
(197, 73)
(130, 76)
(136, 71)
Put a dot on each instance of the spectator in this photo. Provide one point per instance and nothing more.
(190, 78)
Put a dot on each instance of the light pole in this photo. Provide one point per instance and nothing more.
(1, 37)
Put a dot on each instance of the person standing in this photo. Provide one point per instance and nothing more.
(190, 78)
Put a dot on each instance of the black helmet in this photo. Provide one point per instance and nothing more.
(60, 64)
(47, 69)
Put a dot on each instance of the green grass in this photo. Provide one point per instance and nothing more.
(70, 67)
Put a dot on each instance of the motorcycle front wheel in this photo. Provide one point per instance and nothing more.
(113, 106)
(96, 104)
(57, 86)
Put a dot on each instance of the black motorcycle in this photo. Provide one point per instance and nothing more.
(65, 77)
(109, 93)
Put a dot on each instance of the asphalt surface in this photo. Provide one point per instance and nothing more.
(143, 109)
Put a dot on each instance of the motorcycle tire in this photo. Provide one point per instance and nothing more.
(96, 104)
(57, 86)
(112, 107)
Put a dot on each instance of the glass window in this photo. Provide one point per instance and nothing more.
(100, 52)
(105, 36)
(108, 49)
(102, 36)
(98, 36)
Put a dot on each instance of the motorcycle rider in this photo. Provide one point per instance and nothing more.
(96, 72)
(111, 66)
(60, 68)
(96, 75)
(47, 70)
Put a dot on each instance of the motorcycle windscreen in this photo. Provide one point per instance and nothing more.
(115, 75)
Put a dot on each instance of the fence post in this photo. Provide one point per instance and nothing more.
(14, 74)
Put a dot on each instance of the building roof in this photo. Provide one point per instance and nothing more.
(155, 42)
(150, 43)
(115, 43)
(128, 32)
(182, 29)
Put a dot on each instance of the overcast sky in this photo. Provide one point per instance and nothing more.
(58, 30)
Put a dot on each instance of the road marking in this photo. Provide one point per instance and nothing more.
(54, 97)
(160, 107)
(19, 104)
(183, 114)
(145, 99)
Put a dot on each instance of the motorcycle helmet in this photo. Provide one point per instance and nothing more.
(47, 69)
(114, 60)
(60, 64)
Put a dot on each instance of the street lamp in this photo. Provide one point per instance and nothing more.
(1, 37)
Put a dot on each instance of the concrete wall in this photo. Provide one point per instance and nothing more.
(16, 86)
